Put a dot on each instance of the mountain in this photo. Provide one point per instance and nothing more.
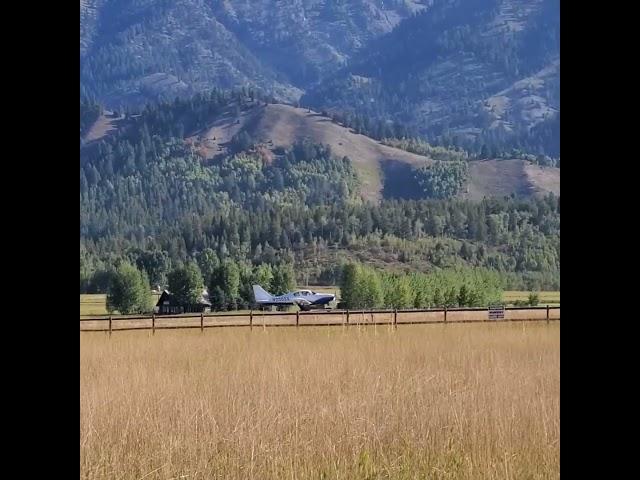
(473, 73)
(132, 51)
(223, 175)
(384, 170)
(135, 51)
(413, 135)
(281, 126)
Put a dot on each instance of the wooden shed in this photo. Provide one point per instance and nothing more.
(167, 304)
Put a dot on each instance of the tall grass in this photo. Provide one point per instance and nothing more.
(442, 402)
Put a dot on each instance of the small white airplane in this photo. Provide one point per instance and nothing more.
(305, 299)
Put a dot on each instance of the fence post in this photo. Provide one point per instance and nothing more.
(547, 313)
(201, 322)
(445, 313)
(153, 323)
(110, 321)
(395, 318)
(251, 319)
(347, 316)
(297, 317)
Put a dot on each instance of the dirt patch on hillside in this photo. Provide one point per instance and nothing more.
(382, 169)
(284, 125)
(104, 125)
(543, 179)
(505, 177)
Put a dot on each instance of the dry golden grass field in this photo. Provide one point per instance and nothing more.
(551, 298)
(465, 401)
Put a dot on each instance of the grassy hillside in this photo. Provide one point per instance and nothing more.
(382, 169)
(279, 126)
(504, 177)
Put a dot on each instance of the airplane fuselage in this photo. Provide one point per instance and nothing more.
(305, 299)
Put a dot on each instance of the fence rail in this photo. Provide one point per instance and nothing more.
(315, 318)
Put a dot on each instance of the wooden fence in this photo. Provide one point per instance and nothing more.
(314, 318)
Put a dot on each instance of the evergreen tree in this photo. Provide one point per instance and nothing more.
(227, 278)
(208, 262)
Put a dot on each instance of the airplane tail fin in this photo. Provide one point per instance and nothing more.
(260, 294)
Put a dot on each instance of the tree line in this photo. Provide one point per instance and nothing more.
(228, 283)
(518, 237)
(366, 287)
(147, 199)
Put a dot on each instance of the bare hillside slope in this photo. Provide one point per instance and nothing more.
(282, 125)
(504, 177)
